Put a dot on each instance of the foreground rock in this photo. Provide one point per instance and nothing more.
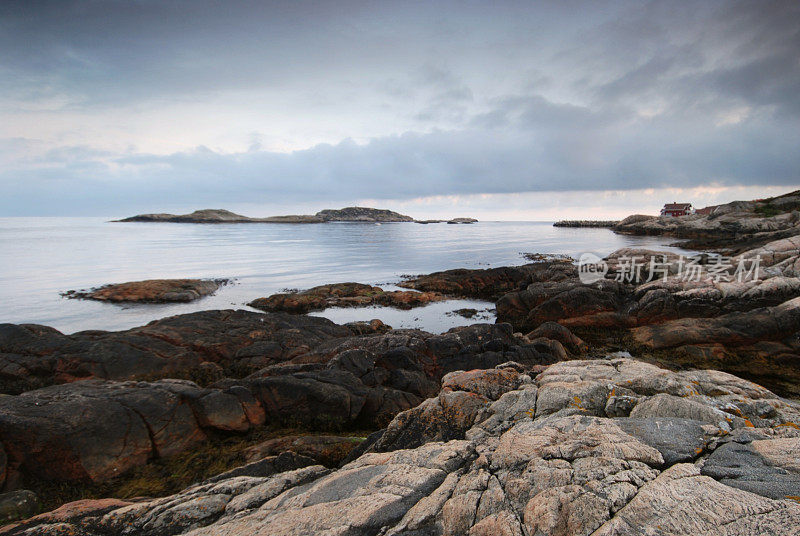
(587, 447)
(151, 291)
(343, 295)
(306, 372)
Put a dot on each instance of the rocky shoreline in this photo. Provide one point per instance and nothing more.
(620, 405)
(730, 228)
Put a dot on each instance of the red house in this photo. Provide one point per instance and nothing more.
(677, 209)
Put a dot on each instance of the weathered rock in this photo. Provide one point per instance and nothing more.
(681, 501)
(565, 470)
(151, 291)
(731, 329)
(488, 383)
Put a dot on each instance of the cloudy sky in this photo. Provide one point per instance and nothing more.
(503, 110)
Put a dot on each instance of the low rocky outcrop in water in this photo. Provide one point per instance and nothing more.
(150, 291)
(605, 447)
(343, 295)
(355, 214)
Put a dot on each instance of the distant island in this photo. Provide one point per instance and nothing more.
(347, 214)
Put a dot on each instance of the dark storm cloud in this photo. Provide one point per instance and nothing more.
(509, 97)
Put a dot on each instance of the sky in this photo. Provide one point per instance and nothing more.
(499, 110)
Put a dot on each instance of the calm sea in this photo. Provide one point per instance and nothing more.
(42, 257)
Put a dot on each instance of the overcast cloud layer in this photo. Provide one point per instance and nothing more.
(114, 107)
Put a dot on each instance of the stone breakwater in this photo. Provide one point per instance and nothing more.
(587, 223)
(595, 447)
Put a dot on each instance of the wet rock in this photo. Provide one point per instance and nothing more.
(267, 466)
(326, 450)
(18, 504)
(93, 430)
(767, 467)
(368, 328)
(445, 417)
(33, 356)
(556, 301)
(557, 332)
(677, 439)
(488, 283)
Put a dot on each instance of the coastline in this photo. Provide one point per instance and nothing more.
(241, 385)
